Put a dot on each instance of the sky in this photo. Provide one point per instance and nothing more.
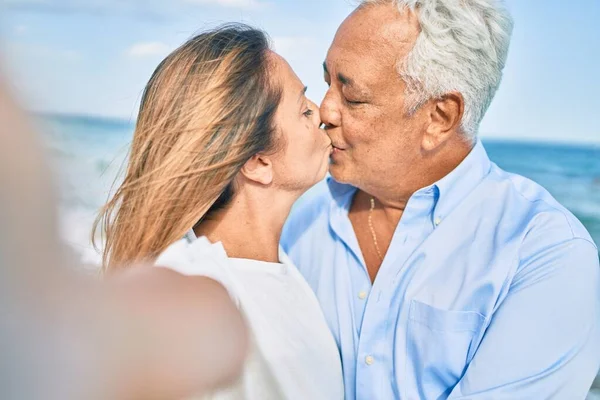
(94, 57)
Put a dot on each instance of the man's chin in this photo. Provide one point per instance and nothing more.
(340, 173)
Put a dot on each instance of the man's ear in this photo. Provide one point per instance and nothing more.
(258, 169)
(445, 118)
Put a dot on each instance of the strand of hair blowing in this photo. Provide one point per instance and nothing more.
(195, 130)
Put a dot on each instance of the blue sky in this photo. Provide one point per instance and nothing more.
(93, 57)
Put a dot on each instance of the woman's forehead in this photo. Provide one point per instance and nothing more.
(283, 75)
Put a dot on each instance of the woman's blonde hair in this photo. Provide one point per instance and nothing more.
(207, 109)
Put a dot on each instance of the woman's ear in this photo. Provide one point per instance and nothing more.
(258, 169)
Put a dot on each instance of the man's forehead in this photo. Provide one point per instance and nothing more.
(354, 68)
(378, 32)
(362, 66)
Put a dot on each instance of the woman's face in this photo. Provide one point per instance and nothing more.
(304, 158)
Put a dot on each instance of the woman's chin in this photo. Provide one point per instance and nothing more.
(324, 171)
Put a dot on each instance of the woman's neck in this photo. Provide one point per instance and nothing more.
(250, 226)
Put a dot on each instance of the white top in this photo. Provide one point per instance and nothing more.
(293, 354)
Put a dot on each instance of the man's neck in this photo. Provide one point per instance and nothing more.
(250, 227)
(394, 193)
(376, 210)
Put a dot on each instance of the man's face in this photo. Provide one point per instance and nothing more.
(375, 141)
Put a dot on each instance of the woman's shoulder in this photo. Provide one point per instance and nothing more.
(197, 258)
(189, 258)
(284, 258)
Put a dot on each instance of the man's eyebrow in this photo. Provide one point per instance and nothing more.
(345, 80)
(341, 77)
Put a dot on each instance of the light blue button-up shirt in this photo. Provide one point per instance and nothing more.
(490, 290)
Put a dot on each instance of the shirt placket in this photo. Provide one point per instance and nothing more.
(375, 354)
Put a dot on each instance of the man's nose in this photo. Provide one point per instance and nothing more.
(330, 114)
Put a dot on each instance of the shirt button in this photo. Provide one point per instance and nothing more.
(437, 221)
(369, 360)
(362, 295)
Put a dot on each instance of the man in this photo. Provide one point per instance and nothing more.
(441, 276)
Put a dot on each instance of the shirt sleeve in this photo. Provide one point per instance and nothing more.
(543, 341)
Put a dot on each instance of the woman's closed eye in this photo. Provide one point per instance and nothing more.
(308, 113)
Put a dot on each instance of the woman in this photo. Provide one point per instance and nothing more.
(225, 142)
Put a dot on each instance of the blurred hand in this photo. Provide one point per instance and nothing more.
(147, 333)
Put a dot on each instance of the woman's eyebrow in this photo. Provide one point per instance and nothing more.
(302, 93)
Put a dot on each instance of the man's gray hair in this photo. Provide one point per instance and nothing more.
(462, 47)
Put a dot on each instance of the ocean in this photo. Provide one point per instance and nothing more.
(87, 155)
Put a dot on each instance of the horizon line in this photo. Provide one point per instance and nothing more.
(482, 135)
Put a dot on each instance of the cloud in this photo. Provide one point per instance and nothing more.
(245, 4)
(41, 52)
(21, 29)
(154, 10)
(49, 6)
(148, 10)
(290, 45)
(148, 49)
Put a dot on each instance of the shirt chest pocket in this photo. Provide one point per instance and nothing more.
(439, 347)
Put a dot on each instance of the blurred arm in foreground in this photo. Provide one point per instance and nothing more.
(145, 334)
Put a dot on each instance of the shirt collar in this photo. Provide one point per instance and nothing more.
(455, 186)
(448, 191)
(341, 192)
